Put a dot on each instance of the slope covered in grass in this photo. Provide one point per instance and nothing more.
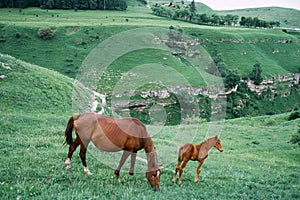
(287, 17)
(27, 88)
(240, 48)
(257, 163)
(77, 33)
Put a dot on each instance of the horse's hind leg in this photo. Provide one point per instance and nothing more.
(121, 163)
(181, 171)
(72, 148)
(133, 159)
(82, 155)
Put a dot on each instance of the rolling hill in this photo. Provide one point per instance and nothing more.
(287, 17)
(27, 88)
(39, 90)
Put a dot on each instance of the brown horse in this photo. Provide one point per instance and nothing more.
(112, 135)
(192, 152)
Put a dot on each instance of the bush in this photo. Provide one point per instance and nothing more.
(18, 35)
(294, 115)
(45, 33)
(296, 138)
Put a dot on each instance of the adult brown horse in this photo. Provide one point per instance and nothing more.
(192, 152)
(112, 135)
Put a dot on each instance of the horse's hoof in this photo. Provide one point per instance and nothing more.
(131, 173)
(117, 173)
(68, 166)
(87, 171)
(68, 163)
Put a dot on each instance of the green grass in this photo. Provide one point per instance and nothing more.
(287, 17)
(35, 104)
(257, 163)
(30, 88)
(240, 48)
(77, 33)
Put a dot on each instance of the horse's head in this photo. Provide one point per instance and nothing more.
(154, 177)
(218, 144)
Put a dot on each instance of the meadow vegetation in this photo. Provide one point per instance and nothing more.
(37, 95)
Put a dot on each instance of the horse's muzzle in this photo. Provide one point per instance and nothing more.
(221, 150)
(156, 188)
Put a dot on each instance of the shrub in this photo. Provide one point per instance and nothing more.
(296, 138)
(45, 33)
(18, 35)
(294, 115)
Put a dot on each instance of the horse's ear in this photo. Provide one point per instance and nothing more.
(158, 173)
(216, 136)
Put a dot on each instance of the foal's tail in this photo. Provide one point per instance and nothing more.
(180, 153)
(69, 129)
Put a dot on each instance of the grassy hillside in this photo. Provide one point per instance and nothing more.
(257, 163)
(38, 95)
(27, 88)
(287, 17)
(240, 48)
(77, 33)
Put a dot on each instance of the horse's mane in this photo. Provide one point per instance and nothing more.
(151, 154)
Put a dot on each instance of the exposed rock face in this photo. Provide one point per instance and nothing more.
(122, 101)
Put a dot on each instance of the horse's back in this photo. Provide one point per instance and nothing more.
(128, 126)
(125, 133)
(186, 151)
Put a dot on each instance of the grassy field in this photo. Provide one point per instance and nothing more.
(78, 33)
(257, 163)
(38, 95)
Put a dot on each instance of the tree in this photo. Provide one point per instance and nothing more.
(45, 33)
(215, 19)
(232, 79)
(255, 75)
(193, 7)
(235, 19)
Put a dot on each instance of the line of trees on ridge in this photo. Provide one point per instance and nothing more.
(189, 13)
(67, 4)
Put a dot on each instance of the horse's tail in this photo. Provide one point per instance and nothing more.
(69, 129)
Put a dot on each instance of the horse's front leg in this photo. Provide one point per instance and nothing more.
(121, 163)
(133, 159)
(72, 148)
(198, 170)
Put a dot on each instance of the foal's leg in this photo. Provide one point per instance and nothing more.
(198, 170)
(133, 159)
(122, 161)
(72, 148)
(181, 171)
(176, 170)
(82, 155)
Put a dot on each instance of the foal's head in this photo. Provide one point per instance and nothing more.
(218, 144)
(153, 178)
